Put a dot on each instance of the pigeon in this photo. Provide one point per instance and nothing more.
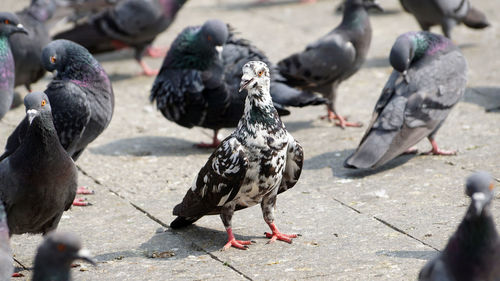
(27, 50)
(9, 24)
(81, 97)
(446, 13)
(131, 23)
(325, 63)
(259, 160)
(6, 261)
(56, 254)
(473, 252)
(429, 78)
(198, 84)
(38, 180)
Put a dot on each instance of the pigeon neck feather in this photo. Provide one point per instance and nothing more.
(6, 65)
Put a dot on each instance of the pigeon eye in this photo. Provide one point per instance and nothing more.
(261, 73)
(491, 186)
(209, 38)
(44, 102)
(53, 59)
(6, 21)
(61, 247)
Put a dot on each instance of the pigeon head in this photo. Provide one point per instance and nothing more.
(37, 104)
(58, 251)
(9, 24)
(479, 187)
(214, 33)
(255, 74)
(70, 60)
(402, 53)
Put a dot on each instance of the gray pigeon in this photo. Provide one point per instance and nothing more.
(429, 78)
(446, 13)
(131, 23)
(259, 160)
(38, 180)
(324, 64)
(198, 84)
(56, 254)
(9, 24)
(473, 252)
(27, 50)
(6, 261)
(81, 97)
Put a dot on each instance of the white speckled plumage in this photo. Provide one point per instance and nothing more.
(256, 162)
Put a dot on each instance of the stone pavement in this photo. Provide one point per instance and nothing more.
(381, 225)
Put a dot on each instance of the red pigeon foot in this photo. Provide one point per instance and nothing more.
(277, 235)
(81, 202)
(156, 52)
(84, 190)
(240, 244)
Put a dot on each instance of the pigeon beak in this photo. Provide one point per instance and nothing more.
(479, 200)
(32, 113)
(219, 51)
(20, 29)
(244, 83)
(84, 255)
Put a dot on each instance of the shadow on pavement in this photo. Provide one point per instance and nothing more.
(335, 161)
(147, 146)
(487, 97)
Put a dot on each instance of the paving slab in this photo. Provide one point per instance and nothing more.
(376, 225)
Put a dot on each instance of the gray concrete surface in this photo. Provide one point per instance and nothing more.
(381, 225)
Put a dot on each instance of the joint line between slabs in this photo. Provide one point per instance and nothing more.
(22, 265)
(157, 220)
(393, 227)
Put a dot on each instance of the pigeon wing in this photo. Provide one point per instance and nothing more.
(217, 183)
(73, 112)
(321, 62)
(293, 167)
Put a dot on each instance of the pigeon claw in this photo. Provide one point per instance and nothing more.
(280, 236)
(436, 151)
(240, 244)
(146, 70)
(81, 202)
(277, 235)
(84, 190)
(156, 52)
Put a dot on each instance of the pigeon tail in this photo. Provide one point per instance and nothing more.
(181, 222)
(287, 96)
(374, 151)
(475, 19)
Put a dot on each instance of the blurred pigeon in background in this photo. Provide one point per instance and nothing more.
(446, 13)
(324, 64)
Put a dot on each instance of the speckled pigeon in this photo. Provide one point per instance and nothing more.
(473, 252)
(56, 254)
(38, 180)
(198, 85)
(81, 97)
(429, 78)
(324, 64)
(6, 261)
(131, 23)
(27, 50)
(446, 13)
(9, 24)
(259, 160)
